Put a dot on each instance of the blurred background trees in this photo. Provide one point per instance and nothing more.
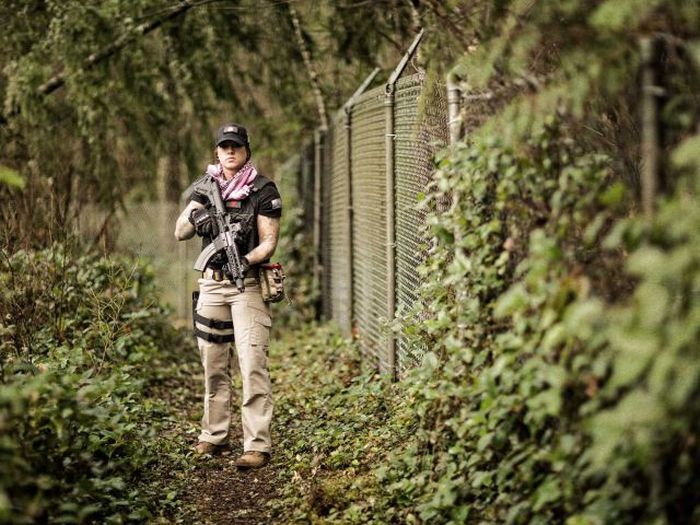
(109, 101)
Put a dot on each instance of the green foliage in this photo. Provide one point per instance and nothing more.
(335, 426)
(537, 59)
(500, 437)
(80, 341)
(10, 177)
(71, 447)
(152, 102)
(52, 297)
(562, 381)
(647, 418)
(561, 377)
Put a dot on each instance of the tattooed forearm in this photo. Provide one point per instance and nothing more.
(183, 229)
(268, 232)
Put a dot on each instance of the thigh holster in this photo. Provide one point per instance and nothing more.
(210, 323)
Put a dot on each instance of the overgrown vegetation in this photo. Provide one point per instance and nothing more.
(333, 424)
(568, 396)
(561, 328)
(83, 434)
(565, 335)
(543, 406)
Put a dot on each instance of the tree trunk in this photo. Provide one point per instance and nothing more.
(306, 55)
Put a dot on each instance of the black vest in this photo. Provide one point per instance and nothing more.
(245, 212)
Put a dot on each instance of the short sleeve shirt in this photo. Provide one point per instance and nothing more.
(270, 201)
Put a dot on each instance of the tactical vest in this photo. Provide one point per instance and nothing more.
(245, 212)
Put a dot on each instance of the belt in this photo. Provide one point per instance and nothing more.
(217, 274)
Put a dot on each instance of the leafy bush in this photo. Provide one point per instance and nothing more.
(81, 339)
(563, 379)
(560, 396)
(70, 448)
(644, 422)
(53, 296)
(562, 375)
(509, 260)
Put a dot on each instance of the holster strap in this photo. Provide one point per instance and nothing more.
(212, 323)
(213, 338)
(209, 323)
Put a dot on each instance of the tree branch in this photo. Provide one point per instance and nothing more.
(320, 104)
(58, 80)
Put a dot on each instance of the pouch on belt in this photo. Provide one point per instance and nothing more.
(272, 282)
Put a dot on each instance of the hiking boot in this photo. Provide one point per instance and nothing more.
(204, 447)
(253, 459)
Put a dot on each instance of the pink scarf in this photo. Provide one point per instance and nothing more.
(237, 188)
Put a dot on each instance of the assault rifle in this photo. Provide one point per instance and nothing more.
(229, 233)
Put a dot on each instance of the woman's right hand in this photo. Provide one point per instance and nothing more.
(203, 221)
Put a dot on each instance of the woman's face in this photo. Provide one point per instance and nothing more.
(231, 156)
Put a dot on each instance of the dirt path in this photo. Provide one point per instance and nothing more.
(326, 433)
(223, 494)
(217, 492)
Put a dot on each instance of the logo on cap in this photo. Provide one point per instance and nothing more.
(233, 132)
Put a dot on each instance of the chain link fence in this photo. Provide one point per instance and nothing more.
(370, 243)
(338, 265)
(419, 134)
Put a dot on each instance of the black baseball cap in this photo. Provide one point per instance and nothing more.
(234, 133)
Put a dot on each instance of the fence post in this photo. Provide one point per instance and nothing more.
(650, 130)
(390, 226)
(319, 138)
(454, 98)
(390, 137)
(349, 213)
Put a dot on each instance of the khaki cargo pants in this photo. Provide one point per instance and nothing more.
(251, 327)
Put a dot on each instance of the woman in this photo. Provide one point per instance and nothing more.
(223, 313)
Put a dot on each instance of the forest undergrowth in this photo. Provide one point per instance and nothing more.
(101, 401)
(101, 404)
(88, 388)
